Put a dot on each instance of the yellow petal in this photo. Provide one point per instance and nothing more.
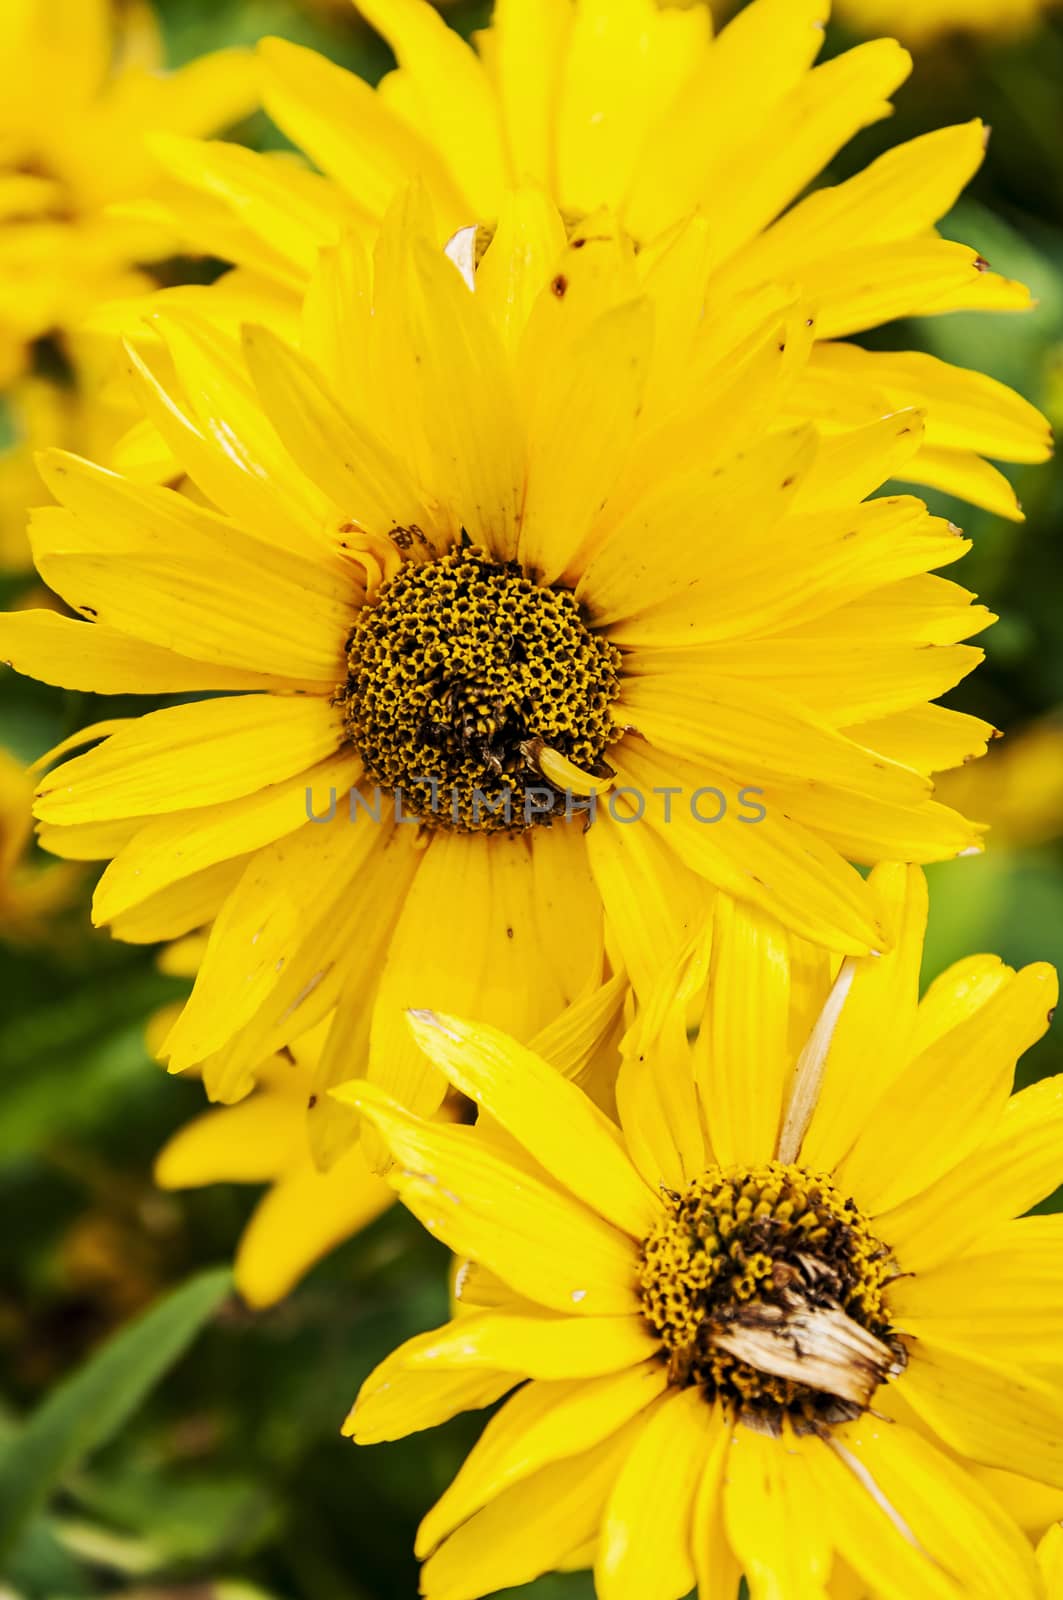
(949, 1099)
(453, 95)
(653, 903)
(351, 133)
(742, 1052)
(773, 1521)
(1004, 1298)
(543, 1422)
(774, 863)
(358, 471)
(198, 754)
(528, 242)
(554, 1121)
(181, 843)
(539, 1240)
(529, 39)
(100, 660)
(276, 954)
(869, 1528)
(531, 1527)
(1000, 1415)
(645, 1547)
(958, 1524)
(1017, 1165)
(182, 908)
(601, 125)
(761, 55)
(449, 386)
(504, 978)
(877, 1020)
(928, 738)
(758, 736)
(904, 192)
(253, 1142)
(300, 1220)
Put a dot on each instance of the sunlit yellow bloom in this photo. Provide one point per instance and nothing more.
(770, 1323)
(81, 93)
(631, 105)
(1018, 789)
(550, 551)
(923, 21)
(28, 893)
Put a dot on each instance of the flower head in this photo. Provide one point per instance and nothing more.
(81, 92)
(634, 106)
(538, 629)
(775, 1323)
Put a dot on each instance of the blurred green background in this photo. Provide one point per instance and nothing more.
(225, 1474)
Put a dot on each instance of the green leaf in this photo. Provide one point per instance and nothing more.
(92, 1404)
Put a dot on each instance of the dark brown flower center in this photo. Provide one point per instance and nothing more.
(767, 1288)
(461, 674)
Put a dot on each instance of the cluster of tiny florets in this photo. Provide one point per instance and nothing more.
(748, 1244)
(459, 673)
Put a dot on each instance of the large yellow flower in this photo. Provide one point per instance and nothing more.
(922, 21)
(523, 556)
(770, 1324)
(81, 91)
(632, 105)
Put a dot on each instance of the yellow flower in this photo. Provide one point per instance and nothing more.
(630, 105)
(924, 21)
(547, 556)
(81, 93)
(771, 1323)
(28, 894)
(1018, 789)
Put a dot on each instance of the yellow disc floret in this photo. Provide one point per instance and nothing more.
(767, 1288)
(461, 675)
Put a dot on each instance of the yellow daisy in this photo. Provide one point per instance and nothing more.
(767, 1325)
(633, 105)
(546, 583)
(923, 21)
(81, 91)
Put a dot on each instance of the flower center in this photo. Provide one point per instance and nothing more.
(767, 1288)
(463, 677)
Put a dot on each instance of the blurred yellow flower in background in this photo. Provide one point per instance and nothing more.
(634, 106)
(1017, 791)
(779, 1322)
(552, 545)
(81, 90)
(29, 893)
(305, 1212)
(921, 22)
